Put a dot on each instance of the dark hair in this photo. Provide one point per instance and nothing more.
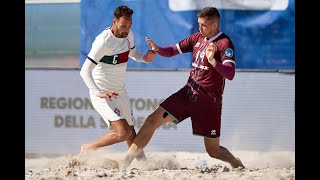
(122, 11)
(211, 13)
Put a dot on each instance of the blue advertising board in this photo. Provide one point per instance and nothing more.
(263, 32)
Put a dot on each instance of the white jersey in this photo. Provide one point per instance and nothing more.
(106, 63)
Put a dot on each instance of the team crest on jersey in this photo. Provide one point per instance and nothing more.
(229, 52)
(117, 111)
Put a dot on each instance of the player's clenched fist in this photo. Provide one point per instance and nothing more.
(211, 49)
(149, 56)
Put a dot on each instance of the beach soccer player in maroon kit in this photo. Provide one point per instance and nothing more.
(213, 61)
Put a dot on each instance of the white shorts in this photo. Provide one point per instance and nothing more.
(114, 109)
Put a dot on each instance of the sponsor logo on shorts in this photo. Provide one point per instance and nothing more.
(213, 132)
(117, 111)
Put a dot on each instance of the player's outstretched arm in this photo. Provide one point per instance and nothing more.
(167, 51)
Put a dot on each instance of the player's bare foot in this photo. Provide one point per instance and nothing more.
(85, 150)
(238, 164)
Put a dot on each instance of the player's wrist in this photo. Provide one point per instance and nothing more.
(213, 62)
(154, 51)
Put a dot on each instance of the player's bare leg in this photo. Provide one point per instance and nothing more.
(140, 155)
(121, 132)
(110, 138)
(214, 150)
(153, 121)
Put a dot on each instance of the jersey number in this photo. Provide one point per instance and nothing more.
(115, 59)
(201, 55)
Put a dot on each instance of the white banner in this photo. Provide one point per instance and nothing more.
(258, 112)
(188, 5)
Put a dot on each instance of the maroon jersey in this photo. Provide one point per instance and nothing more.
(204, 79)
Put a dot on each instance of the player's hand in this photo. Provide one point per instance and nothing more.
(211, 49)
(108, 94)
(149, 57)
(152, 45)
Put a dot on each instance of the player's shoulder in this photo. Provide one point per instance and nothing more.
(195, 36)
(225, 39)
(106, 33)
(104, 38)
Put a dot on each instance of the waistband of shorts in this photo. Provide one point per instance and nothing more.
(199, 88)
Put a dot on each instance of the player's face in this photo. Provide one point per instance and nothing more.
(207, 27)
(123, 26)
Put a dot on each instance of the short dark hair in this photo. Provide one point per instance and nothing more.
(211, 13)
(123, 11)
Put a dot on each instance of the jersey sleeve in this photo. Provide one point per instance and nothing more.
(86, 74)
(186, 45)
(98, 49)
(96, 53)
(227, 51)
(134, 53)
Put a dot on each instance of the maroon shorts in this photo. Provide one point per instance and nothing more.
(203, 110)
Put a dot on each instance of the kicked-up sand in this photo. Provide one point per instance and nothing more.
(101, 164)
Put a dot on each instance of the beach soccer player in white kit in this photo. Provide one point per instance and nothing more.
(104, 73)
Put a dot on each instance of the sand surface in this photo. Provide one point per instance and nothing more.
(276, 165)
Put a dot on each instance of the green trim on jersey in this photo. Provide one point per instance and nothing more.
(110, 59)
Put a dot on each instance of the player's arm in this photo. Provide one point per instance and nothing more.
(226, 69)
(91, 61)
(139, 57)
(162, 51)
(86, 75)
